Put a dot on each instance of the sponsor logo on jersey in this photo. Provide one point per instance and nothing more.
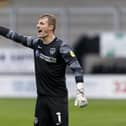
(47, 58)
(52, 51)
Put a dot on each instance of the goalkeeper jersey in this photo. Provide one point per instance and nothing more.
(50, 63)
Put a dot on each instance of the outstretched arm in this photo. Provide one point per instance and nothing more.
(70, 58)
(25, 40)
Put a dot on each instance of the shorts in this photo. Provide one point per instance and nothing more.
(51, 111)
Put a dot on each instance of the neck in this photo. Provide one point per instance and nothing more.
(48, 39)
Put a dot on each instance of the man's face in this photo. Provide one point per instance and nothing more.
(43, 27)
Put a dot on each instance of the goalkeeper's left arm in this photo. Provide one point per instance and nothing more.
(70, 58)
(80, 99)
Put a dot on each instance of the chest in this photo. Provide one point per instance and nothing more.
(47, 54)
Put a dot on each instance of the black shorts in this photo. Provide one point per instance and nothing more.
(51, 111)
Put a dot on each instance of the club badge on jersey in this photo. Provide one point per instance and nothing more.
(52, 51)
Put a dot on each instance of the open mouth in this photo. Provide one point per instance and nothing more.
(39, 31)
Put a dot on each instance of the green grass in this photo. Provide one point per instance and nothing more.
(20, 112)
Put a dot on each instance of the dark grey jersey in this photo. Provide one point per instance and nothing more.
(50, 63)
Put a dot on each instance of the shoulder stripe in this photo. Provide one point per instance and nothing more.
(11, 34)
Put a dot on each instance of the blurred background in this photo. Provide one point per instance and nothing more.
(96, 29)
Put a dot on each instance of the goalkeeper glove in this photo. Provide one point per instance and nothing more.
(81, 99)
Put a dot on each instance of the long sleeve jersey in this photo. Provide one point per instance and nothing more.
(50, 63)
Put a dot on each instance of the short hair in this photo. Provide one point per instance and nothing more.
(51, 19)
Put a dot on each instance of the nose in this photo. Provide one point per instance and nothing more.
(37, 26)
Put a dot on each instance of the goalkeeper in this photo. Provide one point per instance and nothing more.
(51, 56)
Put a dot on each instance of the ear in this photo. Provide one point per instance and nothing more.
(51, 27)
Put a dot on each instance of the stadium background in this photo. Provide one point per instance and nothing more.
(91, 27)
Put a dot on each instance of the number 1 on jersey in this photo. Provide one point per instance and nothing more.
(59, 118)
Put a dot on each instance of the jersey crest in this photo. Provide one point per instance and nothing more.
(52, 51)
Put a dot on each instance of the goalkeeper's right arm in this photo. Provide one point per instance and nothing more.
(25, 40)
(3, 31)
